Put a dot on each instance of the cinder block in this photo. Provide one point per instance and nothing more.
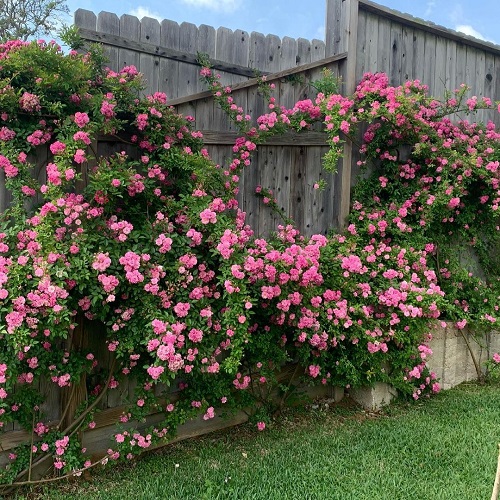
(374, 398)
(452, 360)
(435, 362)
(337, 393)
(494, 342)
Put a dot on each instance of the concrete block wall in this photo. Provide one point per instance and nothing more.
(451, 361)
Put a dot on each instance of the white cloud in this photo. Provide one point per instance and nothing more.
(466, 29)
(320, 33)
(430, 8)
(456, 15)
(218, 5)
(141, 12)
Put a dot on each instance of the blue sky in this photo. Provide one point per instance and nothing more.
(290, 18)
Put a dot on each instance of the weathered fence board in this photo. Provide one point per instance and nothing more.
(110, 24)
(130, 27)
(440, 58)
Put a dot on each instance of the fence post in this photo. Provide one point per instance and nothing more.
(341, 33)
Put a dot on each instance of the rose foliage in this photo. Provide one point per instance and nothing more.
(146, 252)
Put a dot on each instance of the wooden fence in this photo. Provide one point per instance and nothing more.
(360, 36)
(378, 39)
(166, 54)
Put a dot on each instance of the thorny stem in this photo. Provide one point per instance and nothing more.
(285, 393)
(66, 409)
(52, 479)
(31, 445)
(474, 360)
(69, 428)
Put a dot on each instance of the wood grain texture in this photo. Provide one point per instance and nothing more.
(150, 33)
(130, 28)
(110, 24)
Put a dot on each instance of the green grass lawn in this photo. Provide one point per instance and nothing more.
(443, 448)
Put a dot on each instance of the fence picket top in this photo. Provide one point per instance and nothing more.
(150, 33)
(241, 46)
(188, 73)
(108, 22)
(150, 30)
(256, 54)
(318, 50)
(303, 51)
(224, 48)
(170, 34)
(169, 69)
(85, 19)
(273, 50)
(206, 40)
(130, 27)
(189, 38)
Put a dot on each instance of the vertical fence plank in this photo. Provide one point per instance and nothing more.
(332, 33)
(224, 52)
(168, 80)
(440, 83)
(489, 77)
(407, 54)
(85, 19)
(418, 55)
(372, 43)
(232, 47)
(470, 66)
(188, 73)
(109, 23)
(296, 203)
(150, 33)
(451, 65)
(205, 45)
(384, 46)
(280, 165)
(256, 107)
(312, 212)
(396, 54)
(345, 25)
(209, 118)
(326, 204)
(267, 170)
(130, 27)
(429, 68)
(461, 65)
(256, 59)
(362, 46)
(318, 50)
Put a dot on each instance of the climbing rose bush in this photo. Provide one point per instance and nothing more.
(138, 264)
